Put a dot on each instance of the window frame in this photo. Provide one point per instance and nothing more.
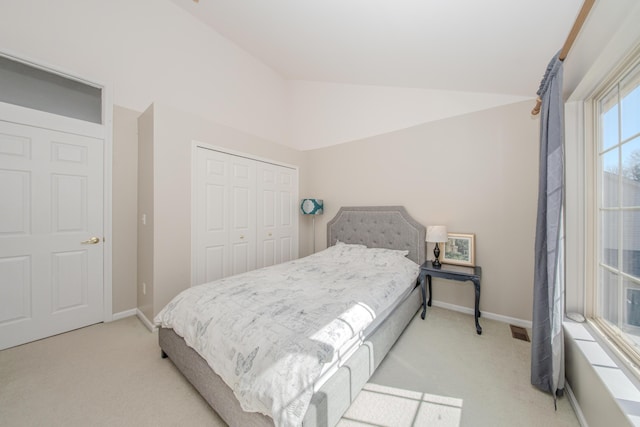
(614, 336)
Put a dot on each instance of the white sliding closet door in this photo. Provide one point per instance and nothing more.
(211, 216)
(276, 210)
(245, 214)
(225, 210)
(242, 214)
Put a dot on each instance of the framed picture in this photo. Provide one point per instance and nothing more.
(460, 249)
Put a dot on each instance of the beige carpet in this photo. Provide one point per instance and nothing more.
(489, 373)
(440, 373)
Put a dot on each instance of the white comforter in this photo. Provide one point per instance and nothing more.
(269, 332)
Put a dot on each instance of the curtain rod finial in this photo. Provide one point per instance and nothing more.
(536, 109)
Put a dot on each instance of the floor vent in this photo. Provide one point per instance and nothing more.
(519, 333)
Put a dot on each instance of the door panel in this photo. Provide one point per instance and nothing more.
(242, 235)
(240, 209)
(69, 280)
(214, 263)
(15, 293)
(275, 214)
(69, 203)
(215, 218)
(51, 200)
(16, 146)
(287, 233)
(15, 188)
(267, 217)
(241, 258)
(269, 255)
(286, 249)
(211, 237)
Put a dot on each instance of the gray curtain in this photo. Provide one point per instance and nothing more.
(547, 347)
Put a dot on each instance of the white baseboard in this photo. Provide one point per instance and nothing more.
(485, 314)
(123, 314)
(146, 322)
(574, 404)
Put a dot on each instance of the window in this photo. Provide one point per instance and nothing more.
(39, 89)
(617, 297)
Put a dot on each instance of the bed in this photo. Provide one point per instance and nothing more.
(387, 228)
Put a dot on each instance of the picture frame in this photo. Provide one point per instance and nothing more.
(460, 249)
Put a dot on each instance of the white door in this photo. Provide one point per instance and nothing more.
(211, 216)
(225, 210)
(267, 208)
(276, 214)
(51, 207)
(242, 198)
(288, 214)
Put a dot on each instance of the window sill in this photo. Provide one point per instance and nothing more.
(620, 384)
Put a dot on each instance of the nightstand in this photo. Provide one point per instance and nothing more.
(450, 272)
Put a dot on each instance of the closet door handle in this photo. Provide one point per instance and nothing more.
(91, 241)
(242, 237)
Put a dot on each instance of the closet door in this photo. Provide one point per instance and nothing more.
(242, 214)
(225, 211)
(288, 225)
(267, 216)
(276, 188)
(210, 232)
(245, 214)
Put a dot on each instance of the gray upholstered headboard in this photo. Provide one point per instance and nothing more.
(388, 227)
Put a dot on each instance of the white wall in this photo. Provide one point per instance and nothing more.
(149, 51)
(153, 51)
(125, 208)
(165, 173)
(476, 173)
(324, 114)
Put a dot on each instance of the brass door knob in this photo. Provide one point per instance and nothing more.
(91, 241)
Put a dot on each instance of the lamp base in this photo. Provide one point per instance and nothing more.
(436, 253)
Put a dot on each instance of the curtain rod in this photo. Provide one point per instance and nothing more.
(573, 34)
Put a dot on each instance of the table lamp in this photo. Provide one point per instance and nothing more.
(436, 234)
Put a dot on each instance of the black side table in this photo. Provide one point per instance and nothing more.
(451, 272)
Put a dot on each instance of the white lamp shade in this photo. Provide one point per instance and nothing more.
(437, 233)
(312, 206)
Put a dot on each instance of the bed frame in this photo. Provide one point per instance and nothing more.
(375, 226)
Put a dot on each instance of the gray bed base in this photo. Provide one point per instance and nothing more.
(381, 227)
(328, 404)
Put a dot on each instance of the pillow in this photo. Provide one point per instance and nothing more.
(355, 245)
(388, 252)
(341, 249)
(381, 256)
(348, 252)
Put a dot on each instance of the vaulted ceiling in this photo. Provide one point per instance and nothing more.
(490, 46)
